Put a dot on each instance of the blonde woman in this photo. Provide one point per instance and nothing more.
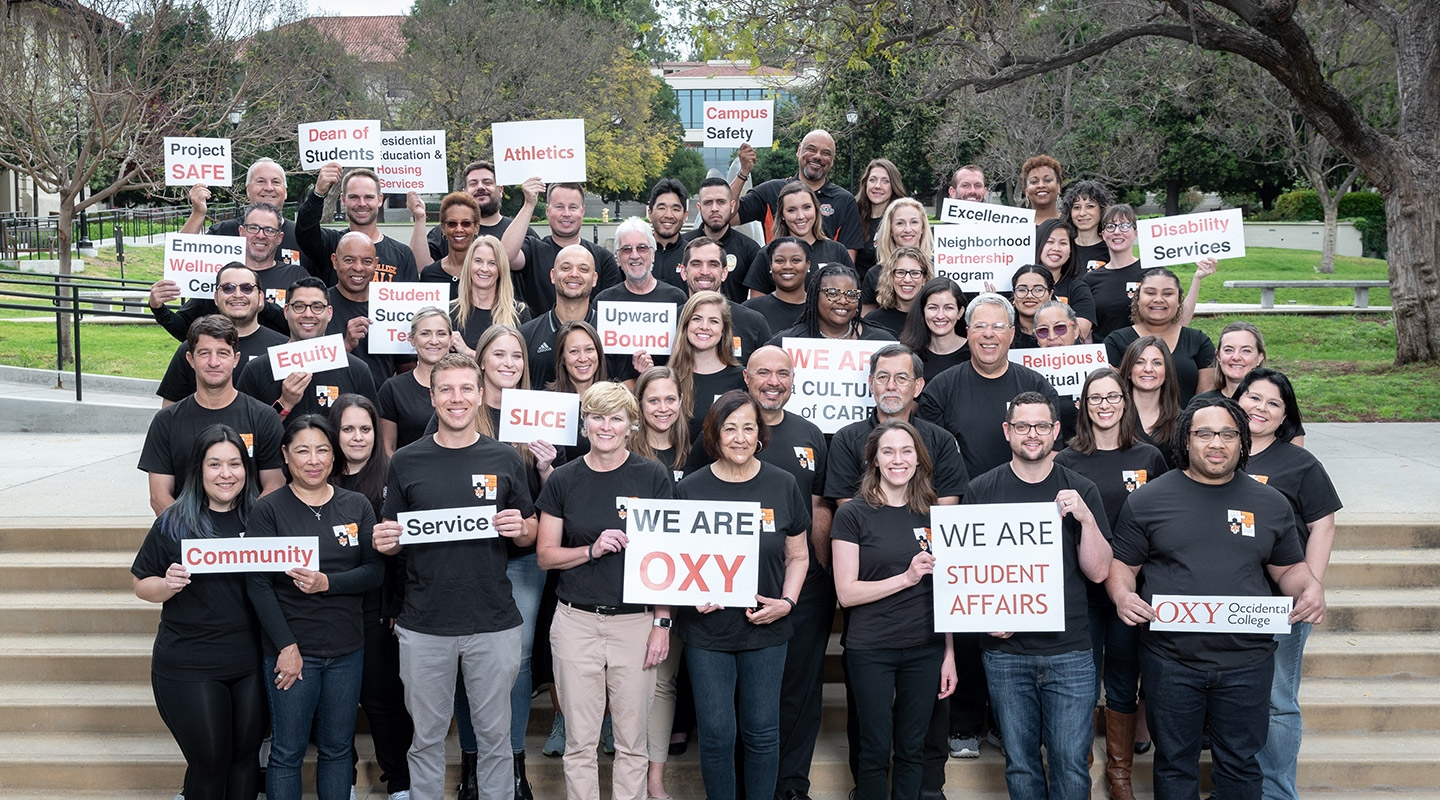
(905, 224)
(487, 295)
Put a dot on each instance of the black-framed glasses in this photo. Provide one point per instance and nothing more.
(231, 288)
(1119, 226)
(265, 229)
(1113, 399)
(1024, 428)
(1057, 330)
(314, 308)
(909, 273)
(1206, 436)
(1031, 291)
(835, 293)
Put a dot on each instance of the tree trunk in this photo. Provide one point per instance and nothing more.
(1331, 205)
(1414, 242)
(1172, 198)
(64, 242)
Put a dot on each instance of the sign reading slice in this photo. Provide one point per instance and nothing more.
(527, 415)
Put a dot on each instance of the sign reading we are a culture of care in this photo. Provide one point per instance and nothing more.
(692, 552)
(998, 567)
(832, 380)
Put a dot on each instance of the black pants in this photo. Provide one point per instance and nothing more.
(218, 725)
(382, 695)
(894, 700)
(803, 683)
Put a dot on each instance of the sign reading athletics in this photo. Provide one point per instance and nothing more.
(349, 142)
(192, 259)
(189, 159)
(1064, 367)
(527, 415)
(308, 355)
(627, 327)
(392, 308)
(551, 149)
(447, 525)
(728, 123)
(832, 386)
(1221, 613)
(979, 243)
(1188, 238)
(692, 552)
(412, 161)
(998, 567)
(260, 554)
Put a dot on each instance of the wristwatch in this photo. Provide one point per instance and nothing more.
(662, 622)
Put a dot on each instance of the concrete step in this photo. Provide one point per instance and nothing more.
(1349, 654)
(1354, 568)
(1379, 610)
(1373, 531)
(122, 534)
(77, 612)
(115, 657)
(41, 570)
(1369, 705)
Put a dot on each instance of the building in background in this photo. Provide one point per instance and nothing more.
(694, 82)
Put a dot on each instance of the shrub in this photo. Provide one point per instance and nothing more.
(1301, 205)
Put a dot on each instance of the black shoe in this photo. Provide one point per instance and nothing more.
(1143, 747)
(932, 794)
(793, 794)
(467, 790)
(679, 748)
(522, 784)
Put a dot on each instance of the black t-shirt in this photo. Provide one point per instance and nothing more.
(1115, 473)
(275, 281)
(173, 431)
(1089, 257)
(936, 363)
(662, 293)
(840, 216)
(751, 331)
(728, 629)
(258, 381)
(588, 502)
(1073, 292)
(539, 334)
(457, 588)
(328, 624)
(406, 402)
(1296, 473)
(822, 252)
(318, 244)
(289, 253)
(847, 453)
(383, 366)
(1002, 485)
(778, 313)
(1195, 538)
(796, 446)
(666, 267)
(972, 407)
(479, 320)
(533, 284)
(1112, 290)
(208, 630)
(891, 319)
(179, 380)
(434, 272)
(868, 333)
(740, 257)
(706, 389)
(888, 541)
(1193, 354)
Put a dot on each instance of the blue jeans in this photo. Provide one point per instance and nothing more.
(1179, 699)
(1047, 700)
(894, 701)
(1282, 746)
(1116, 649)
(331, 686)
(527, 580)
(755, 675)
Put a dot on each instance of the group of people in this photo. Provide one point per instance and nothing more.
(1178, 470)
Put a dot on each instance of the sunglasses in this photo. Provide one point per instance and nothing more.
(1057, 330)
(231, 288)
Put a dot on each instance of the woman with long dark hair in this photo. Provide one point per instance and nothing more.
(881, 186)
(832, 310)
(937, 332)
(1148, 375)
(1055, 251)
(1032, 287)
(799, 216)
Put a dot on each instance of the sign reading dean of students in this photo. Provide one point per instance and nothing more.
(627, 327)
(832, 386)
(1187, 238)
(729, 123)
(392, 308)
(1064, 367)
(692, 552)
(190, 160)
(551, 149)
(527, 415)
(349, 142)
(976, 243)
(412, 161)
(998, 567)
(258, 554)
(193, 259)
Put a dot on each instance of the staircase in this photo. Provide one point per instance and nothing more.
(77, 718)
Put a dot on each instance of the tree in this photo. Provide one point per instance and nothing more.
(626, 146)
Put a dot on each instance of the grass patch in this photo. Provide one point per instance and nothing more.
(134, 351)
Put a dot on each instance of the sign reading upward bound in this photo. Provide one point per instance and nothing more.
(552, 149)
(1190, 237)
(832, 386)
(692, 552)
(976, 243)
(191, 260)
(629, 327)
(998, 567)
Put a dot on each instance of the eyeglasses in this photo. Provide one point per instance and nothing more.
(981, 327)
(314, 308)
(1024, 428)
(1057, 330)
(1205, 436)
(1112, 399)
(265, 229)
(1031, 291)
(908, 273)
(900, 379)
(627, 249)
(835, 293)
(231, 288)
(1119, 226)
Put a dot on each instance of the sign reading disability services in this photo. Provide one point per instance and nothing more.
(193, 259)
(979, 243)
(1187, 238)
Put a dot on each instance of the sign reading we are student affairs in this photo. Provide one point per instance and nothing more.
(692, 552)
(998, 567)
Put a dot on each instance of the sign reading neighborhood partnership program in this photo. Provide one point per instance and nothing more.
(979, 243)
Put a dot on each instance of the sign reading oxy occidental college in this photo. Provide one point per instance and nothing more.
(193, 259)
(551, 149)
(348, 142)
(308, 355)
(446, 525)
(190, 160)
(979, 243)
(692, 552)
(832, 386)
(998, 567)
(259, 554)
(393, 307)
(1187, 238)
(1221, 613)
(628, 327)
(728, 123)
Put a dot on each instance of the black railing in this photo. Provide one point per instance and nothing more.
(22, 236)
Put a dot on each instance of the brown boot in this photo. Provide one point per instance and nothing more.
(1120, 753)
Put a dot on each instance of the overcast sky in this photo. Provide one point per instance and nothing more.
(360, 8)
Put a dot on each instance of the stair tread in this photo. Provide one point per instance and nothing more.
(40, 559)
(1386, 555)
(1367, 596)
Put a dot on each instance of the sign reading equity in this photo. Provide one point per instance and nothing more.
(260, 554)
(189, 159)
(998, 567)
(192, 259)
(976, 243)
(412, 161)
(527, 415)
(446, 525)
(728, 123)
(1064, 367)
(349, 142)
(308, 355)
(627, 327)
(691, 552)
(832, 387)
(392, 308)
(1190, 237)
(1221, 613)
(551, 149)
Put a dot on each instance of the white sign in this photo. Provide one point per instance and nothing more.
(412, 161)
(392, 308)
(1064, 367)
(349, 142)
(832, 380)
(190, 160)
(446, 525)
(308, 355)
(260, 554)
(551, 149)
(1188, 238)
(728, 123)
(192, 259)
(527, 415)
(626, 327)
(968, 212)
(1221, 613)
(998, 567)
(693, 552)
(976, 243)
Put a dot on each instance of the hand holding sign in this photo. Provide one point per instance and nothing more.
(552, 149)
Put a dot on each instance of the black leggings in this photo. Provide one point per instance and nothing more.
(218, 725)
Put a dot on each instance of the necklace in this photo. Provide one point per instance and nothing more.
(314, 510)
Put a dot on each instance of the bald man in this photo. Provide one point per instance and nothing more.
(840, 217)
(354, 264)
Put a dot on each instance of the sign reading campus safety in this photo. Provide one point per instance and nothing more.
(1064, 367)
(412, 161)
(1188, 238)
(692, 552)
(980, 243)
(527, 415)
(447, 525)
(998, 567)
(193, 259)
(551, 149)
(1221, 613)
(393, 307)
(259, 554)
(630, 327)
(348, 142)
(729, 123)
(832, 387)
(308, 355)
(190, 160)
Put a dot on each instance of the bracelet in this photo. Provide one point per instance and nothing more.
(791, 602)
(743, 176)
(591, 551)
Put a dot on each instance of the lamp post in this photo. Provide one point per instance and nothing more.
(852, 116)
(83, 243)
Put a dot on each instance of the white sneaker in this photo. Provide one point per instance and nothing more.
(352, 794)
(403, 794)
(964, 747)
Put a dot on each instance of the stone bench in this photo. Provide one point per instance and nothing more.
(1267, 289)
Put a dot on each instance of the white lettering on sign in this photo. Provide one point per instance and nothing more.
(692, 552)
(308, 355)
(193, 259)
(998, 567)
(551, 149)
(447, 525)
(1187, 238)
(832, 380)
(729, 123)
(1221, 613)
(190, 160)
(348, 142)
(260, 554)
(627, 327)
(527, 415)
(393, 307)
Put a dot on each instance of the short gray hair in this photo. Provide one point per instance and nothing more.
(250, 173)
(896, 349)
(635, 225)
(989, 299)
(1069, 312)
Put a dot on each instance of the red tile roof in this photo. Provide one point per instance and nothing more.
(371, 40)
(701, 69)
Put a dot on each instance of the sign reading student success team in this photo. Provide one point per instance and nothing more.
(393, 307)
(980, 243)
(552, 150)
(193, 259)
(832, 386)
(998, 567)
(1187, 238)
(692, 552)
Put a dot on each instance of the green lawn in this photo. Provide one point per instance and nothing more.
(1269, 263)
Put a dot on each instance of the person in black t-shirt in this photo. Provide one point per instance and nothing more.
(937, 332)
(832, 310)
(565, 211)
(459, 218)
(205, 668)
(798, 217)
(717, 208)
(264, 183)
(1147, 371)
(635, 247)
(480, 185)
(704, 367)
(789, 263)
(703, 268)
(361, 198)
(1113, 284)
(239, 298)
(883, 576)
(574, 281)
(1032, 287)
(905, 224)
(1208, 529)
(816, 154)
(1156, 312)
(666, 213)
(1042, 684)
(1082, 205)
(487, 295)
(898, 285)
(355, 264)
(404, 400)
